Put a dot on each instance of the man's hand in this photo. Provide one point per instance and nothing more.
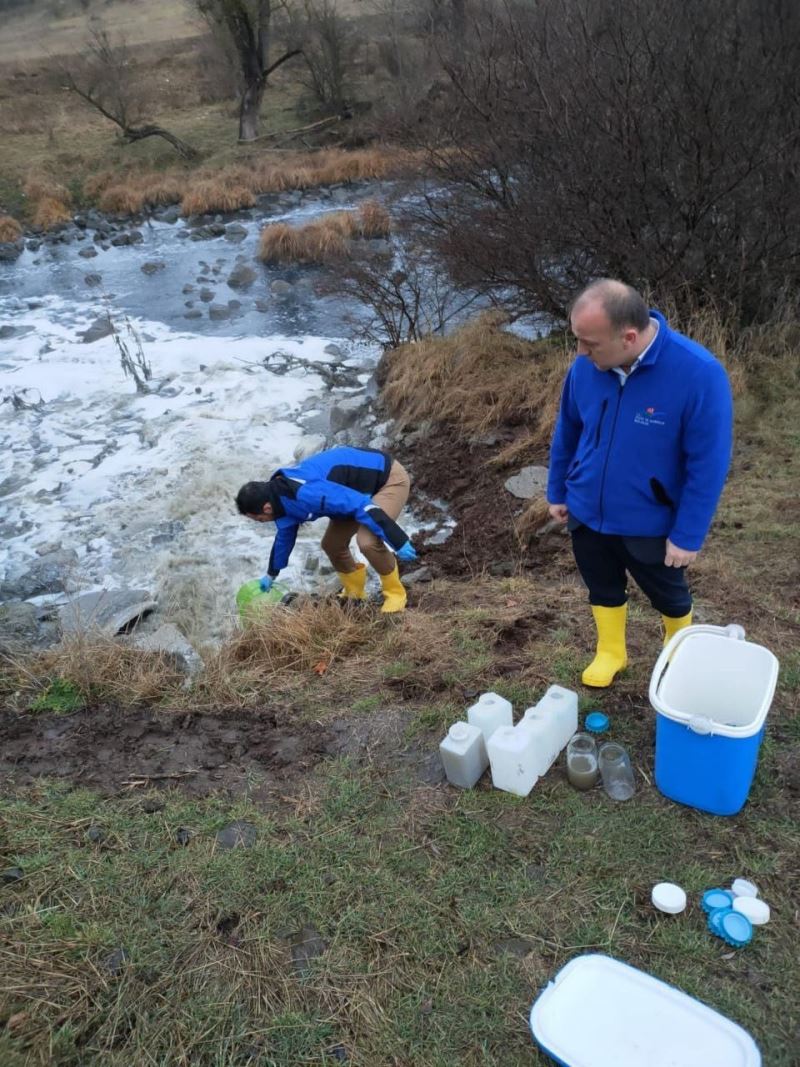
(678, 557)
(558, 512)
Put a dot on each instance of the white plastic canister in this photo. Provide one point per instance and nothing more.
(491, 712)
(553, 721)
(463, 753)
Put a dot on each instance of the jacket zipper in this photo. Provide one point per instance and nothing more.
(608, 453)
(600, 423)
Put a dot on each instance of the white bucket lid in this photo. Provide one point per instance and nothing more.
(628, 1018)
(697, 723)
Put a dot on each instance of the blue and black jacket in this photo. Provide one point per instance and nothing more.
(646, 457)
(338, 483)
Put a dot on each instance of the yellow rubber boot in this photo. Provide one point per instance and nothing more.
(354, 584)
(394, 594)
(671, 626)
(611, 655)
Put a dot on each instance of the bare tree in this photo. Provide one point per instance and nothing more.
(330, 47)
(108, 83)
(587, 137)
(248, 25)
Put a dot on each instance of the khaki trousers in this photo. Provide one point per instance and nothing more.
(336, 539)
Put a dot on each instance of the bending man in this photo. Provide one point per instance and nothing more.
(638, 461)
(362, 491)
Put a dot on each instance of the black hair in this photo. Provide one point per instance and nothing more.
(252, 497)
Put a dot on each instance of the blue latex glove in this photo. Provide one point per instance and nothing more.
(407, 553)
(266, 583)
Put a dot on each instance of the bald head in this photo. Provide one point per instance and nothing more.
(621, 303)
(611, 323)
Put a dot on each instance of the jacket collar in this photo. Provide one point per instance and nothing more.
(653, 352)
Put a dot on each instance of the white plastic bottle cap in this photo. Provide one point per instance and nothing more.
(668, 897)
(742, 888)
(757, 911)
(459, 731)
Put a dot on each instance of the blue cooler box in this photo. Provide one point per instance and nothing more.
(711, 691)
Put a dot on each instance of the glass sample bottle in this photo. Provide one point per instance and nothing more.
(616, 771)
(582, 768)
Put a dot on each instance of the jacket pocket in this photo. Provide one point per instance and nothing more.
(661, 494)
(600, 423)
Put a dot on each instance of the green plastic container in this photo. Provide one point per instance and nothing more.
(251, 600)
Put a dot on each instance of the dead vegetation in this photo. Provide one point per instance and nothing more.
(324, 240)
(477, 378)
(10, 229)
(48, 202)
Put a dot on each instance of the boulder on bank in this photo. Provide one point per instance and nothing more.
(106, 612)
(170, 642)
(530, 482)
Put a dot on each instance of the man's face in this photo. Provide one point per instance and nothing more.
(597, 339)
(265, 516)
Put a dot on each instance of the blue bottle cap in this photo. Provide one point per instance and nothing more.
(596, 722)
(734, 928)
(716, 898)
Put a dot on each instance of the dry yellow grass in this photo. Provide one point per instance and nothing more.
(43, 187)
(49, 213)
(324, 240)
(10, 229)
(479, 377)
(207, 197)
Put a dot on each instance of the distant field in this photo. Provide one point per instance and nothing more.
(37, 31)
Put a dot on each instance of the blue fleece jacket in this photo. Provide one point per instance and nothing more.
(647, 457)
(338, 483)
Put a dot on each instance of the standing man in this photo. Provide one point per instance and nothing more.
(362, 491)
(638, 461)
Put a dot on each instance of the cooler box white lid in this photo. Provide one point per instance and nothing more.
(598, 1012)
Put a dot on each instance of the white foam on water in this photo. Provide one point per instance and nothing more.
(142, 486)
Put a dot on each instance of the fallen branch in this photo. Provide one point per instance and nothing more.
(143, 779)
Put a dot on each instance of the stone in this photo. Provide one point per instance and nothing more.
(137, 237)
(11, 875)
(170, 214)
(152, 805)
(19, 626)
(121, 240)
(235, 232)
(311, 565)
(345, 413)
(170, 642)
(108, 611)
(307, 945)
(115, 962)
(528, 483)
(234, 305)
(333, 350)
(219, 311)
(88, 253)
(422, 574)
(93, 279)
(280, 287)
(207, 295)
(6, 332)
(217, 229)
(514, 946)
(152, 266)
(189, 288)
(262, 305)
(33, 244)
(183, 836)
(44, 575)
(238, 834)
(100, 328)
(241, 277)
(11, 250)
(195, 313)
(96, 834)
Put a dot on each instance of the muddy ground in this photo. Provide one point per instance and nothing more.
(260, 750)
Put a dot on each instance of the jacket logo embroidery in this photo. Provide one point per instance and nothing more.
(650, 417)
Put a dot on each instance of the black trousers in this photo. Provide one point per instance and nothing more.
(605, 560)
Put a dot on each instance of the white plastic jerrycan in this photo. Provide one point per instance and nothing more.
(514, 760)
(552, 722)
(463, 753)
(489, 713)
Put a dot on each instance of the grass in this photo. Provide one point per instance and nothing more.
(10, 229)
(477, 378)
(442, 913)
(324, 240)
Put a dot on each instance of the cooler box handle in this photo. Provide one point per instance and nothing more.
(732, 631)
